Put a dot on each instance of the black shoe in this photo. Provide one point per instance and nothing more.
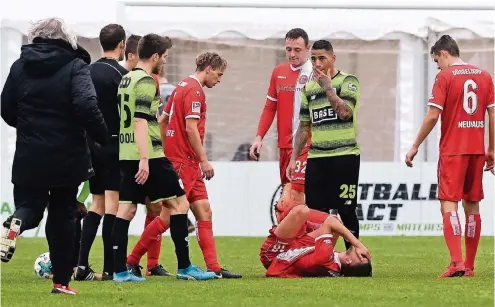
(85, 274)
(106, 276)
(135, 269)
(223, 273)
(158, 270)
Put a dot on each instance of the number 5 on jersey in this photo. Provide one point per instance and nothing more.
(124, 103)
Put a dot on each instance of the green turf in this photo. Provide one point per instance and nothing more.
(405, 273)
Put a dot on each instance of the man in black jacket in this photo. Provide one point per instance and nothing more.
(50, 99)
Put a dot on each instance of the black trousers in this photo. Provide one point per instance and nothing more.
(31, 202)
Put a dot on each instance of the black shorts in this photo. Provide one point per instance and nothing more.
(332, 183)
(162, 182)
(105, 162)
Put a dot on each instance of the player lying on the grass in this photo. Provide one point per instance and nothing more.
(298, 247)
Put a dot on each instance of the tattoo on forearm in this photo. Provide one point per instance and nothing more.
(302, 136)
(342, 110)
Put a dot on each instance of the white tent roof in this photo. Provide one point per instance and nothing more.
(256, 23)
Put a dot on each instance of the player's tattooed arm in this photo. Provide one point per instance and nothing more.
(302, 136)
(343, 111)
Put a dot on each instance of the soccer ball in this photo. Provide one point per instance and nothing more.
(43, 266)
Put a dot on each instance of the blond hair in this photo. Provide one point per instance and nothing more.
(212, 59)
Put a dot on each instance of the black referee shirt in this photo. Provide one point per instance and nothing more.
(106, 74)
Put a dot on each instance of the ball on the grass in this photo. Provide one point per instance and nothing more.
(43, 266)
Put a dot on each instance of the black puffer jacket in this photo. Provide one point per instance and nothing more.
(50, 99)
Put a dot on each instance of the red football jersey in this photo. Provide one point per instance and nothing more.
(273, 245)
(285, 88)
(463, 92)
(186, 101)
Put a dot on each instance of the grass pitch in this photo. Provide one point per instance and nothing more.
(405, 273)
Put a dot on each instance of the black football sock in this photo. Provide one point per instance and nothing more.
(350, 220)
(108, 221)
(120, 236)
(90, 226)
(179, 234)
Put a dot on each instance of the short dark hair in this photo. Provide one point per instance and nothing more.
(151, 44)
(212, 59)
(131, 44)
(322, 44)
(446, 43)
(357, 270)
(110, 36)
(296, 33)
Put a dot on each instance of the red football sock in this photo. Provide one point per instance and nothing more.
(206, 242)
(148, 220)
(452, 233)
(154, 230)
(155, 246)
(472, 238)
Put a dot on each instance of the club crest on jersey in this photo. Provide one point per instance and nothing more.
(196, 107)
(303, 79)
(198, 93)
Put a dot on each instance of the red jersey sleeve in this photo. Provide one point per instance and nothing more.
(439, 92)
(168, 107)
(490, 102)
(270, 108)
(194, 102)
(272, 89)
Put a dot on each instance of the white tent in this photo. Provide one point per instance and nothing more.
(410, 22)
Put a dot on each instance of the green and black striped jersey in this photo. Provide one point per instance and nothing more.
(330, 135)
(138, 98)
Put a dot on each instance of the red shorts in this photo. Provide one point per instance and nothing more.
(309, 261)
(461, 177)
(273, 246)
(297, 182)
(192, 181)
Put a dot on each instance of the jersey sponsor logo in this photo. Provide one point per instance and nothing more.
(196, 107)
(471, 124)
(466, 71)
(286, 88)
(303, 79)
(171, 133)
(281, 77)
(352, 87)
(323, 114)
(182, 84)
(293, 254)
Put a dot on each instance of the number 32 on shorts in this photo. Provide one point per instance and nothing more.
(348, 191)
(300, 167)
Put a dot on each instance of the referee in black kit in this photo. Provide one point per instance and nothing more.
(106, 74)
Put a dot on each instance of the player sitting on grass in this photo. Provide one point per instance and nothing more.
(299, 247)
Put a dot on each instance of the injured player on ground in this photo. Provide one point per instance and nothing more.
(303, 243)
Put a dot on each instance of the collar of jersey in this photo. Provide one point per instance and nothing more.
(299, 67)
(196, 78)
